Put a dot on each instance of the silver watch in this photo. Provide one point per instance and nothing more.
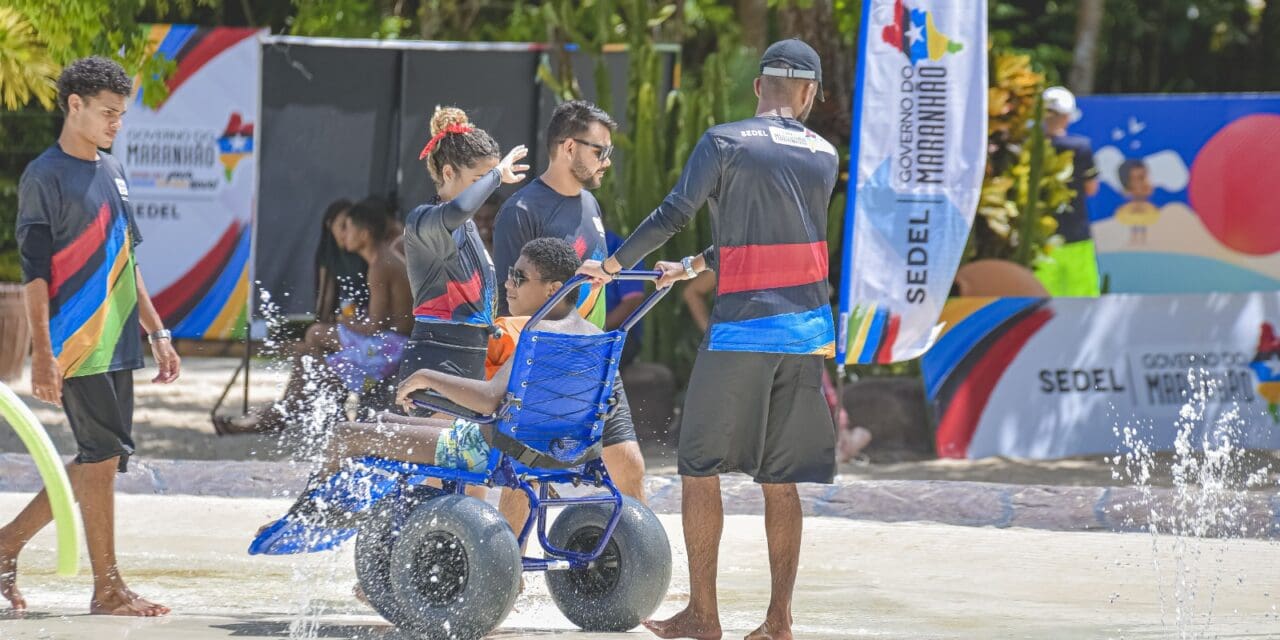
(687, 263)
(156, 336)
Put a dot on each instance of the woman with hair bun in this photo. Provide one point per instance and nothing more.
(452, 276)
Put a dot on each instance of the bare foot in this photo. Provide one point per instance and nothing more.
(685, 625)
(851, 443)
(123, 602)
(9, 581)
(771, 631)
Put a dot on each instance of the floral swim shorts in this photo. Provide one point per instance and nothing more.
(462, 447)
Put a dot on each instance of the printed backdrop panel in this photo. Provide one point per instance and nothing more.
(190, 166)
(1052, 378)
(1188, 199)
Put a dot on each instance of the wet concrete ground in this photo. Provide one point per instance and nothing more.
(858, 579)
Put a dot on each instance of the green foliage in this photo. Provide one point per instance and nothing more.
(1175, 45)
(1026, 177)
(73, 29)
(338, 19)
(27, 71)
(1044, 30)
(10, 270)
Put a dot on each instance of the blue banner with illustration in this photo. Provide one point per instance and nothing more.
(1189, 197)
(918, 153)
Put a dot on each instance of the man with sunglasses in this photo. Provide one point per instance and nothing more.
(558, 204)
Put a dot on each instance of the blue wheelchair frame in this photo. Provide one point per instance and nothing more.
(515, 461)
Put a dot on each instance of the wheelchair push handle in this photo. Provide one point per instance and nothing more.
(625, 274)
(636, 274)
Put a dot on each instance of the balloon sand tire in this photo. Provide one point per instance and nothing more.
(630, 579)
(378, 534)
(455, 569)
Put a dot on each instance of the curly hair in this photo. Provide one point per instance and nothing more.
(456, 142)
(88, 76)
(554, 259)
(572, 119)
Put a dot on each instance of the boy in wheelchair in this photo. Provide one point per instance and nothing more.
(439, 564)
(545, 264)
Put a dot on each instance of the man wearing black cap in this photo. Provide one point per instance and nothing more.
(755, 401)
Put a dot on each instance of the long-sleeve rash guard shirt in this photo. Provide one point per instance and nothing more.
(768, 182)
(450, 272)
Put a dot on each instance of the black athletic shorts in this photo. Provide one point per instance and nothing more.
(457, 349)
(762, 414)
(619, 426)
(100, 410)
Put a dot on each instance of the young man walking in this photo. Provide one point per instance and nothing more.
(85, 300)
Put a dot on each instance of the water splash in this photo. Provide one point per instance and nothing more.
(316, 404)
(1212, 485)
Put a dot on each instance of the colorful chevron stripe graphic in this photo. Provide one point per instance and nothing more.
(872, 331)
(87, 326)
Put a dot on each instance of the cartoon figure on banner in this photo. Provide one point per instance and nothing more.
(1138, 213)
(1137, 178)
(1266, 365)
(1190, 193)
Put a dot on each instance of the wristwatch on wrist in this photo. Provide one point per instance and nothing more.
(687, 263)
(156, 336)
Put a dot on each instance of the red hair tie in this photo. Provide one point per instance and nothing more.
(453, 128)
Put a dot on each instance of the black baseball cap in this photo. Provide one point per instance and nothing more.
(792, 58)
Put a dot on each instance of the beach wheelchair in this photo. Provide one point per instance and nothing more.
(440, 564)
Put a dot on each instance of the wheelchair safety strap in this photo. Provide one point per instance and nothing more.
(530, 457)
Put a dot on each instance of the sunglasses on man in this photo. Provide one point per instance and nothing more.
(603, 151)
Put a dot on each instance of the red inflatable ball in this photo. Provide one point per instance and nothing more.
(1235, 184)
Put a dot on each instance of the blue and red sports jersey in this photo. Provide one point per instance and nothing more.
(767, 181)
(450, 272)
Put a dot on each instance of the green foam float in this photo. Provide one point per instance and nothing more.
(65, 517)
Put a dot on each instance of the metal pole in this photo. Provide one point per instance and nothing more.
(835, 410)
(244, 364)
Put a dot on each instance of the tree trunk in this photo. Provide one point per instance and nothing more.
(15, 335)
(754, 16)
(1268, 48)
(817, 26)
(1085, 57)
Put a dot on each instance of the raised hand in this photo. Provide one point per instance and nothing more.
(512, 172)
